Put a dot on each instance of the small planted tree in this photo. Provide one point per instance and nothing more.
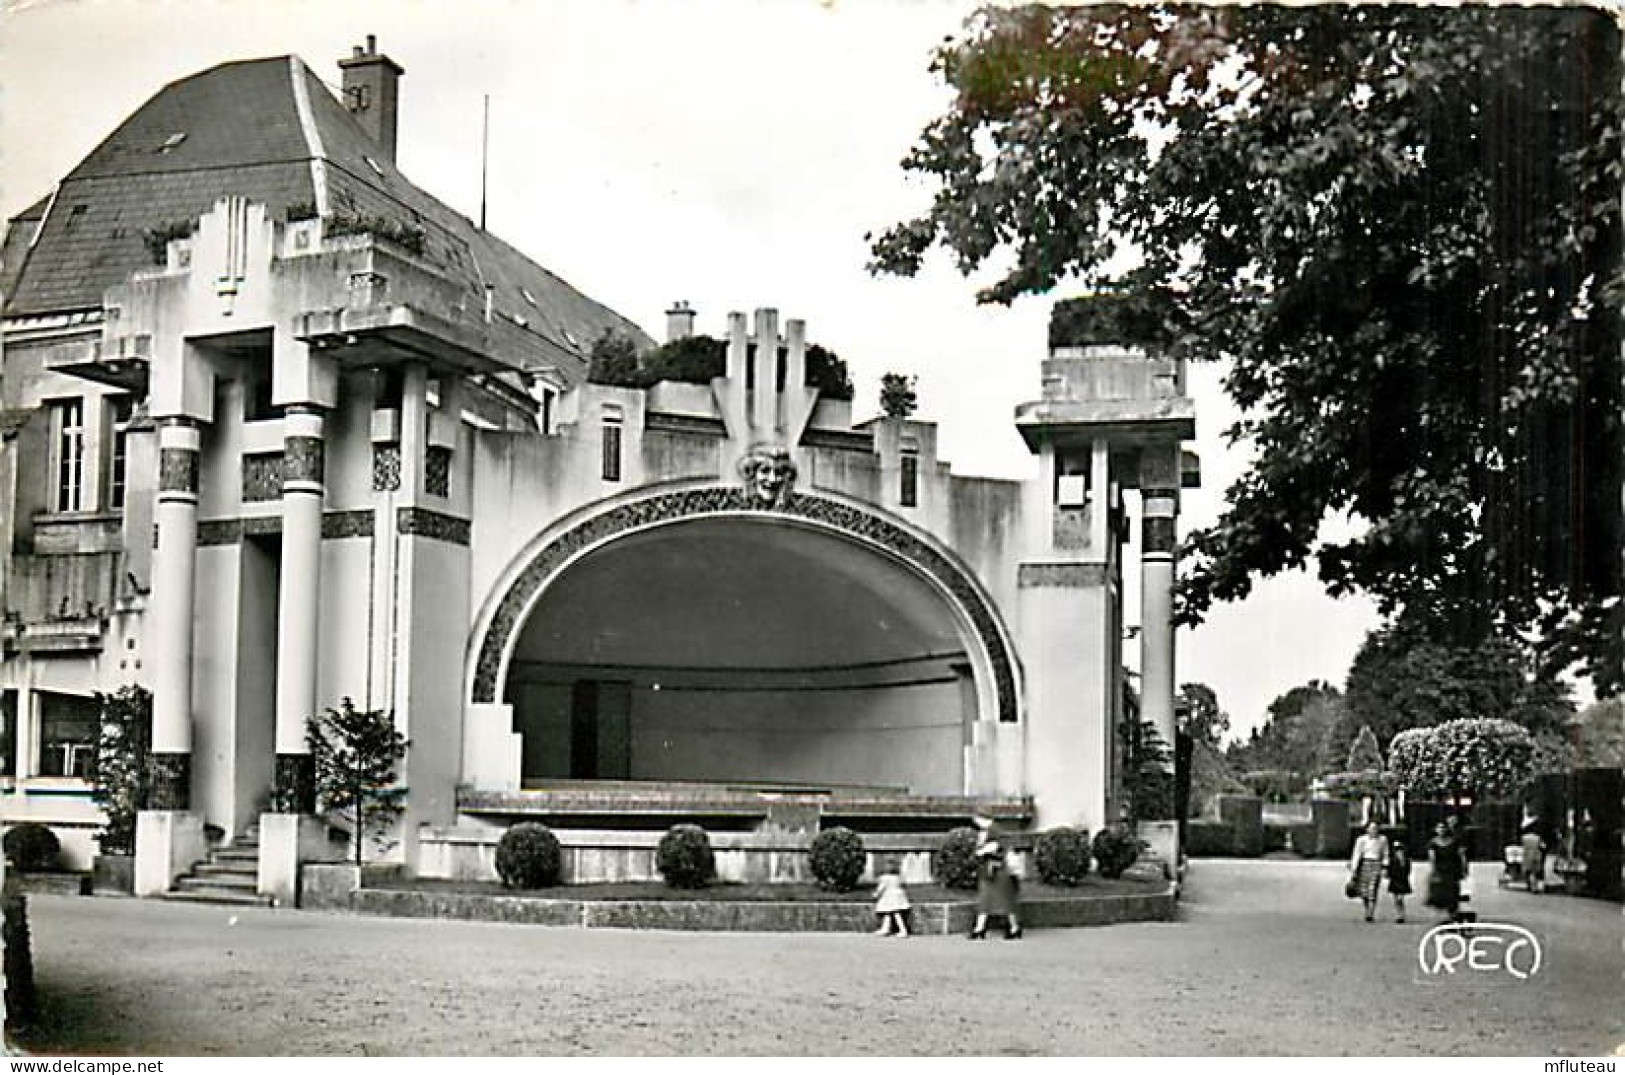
(1365, 755)
(119, 776)
(357, 754)
(1148, 772)
(898, 399)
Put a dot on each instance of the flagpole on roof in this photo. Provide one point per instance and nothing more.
(485, 147)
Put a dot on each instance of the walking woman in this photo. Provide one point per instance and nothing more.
(1444, 878)
(995, 884)
(1399, 874)
(1366, 866)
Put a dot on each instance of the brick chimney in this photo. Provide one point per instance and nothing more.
(372, 93)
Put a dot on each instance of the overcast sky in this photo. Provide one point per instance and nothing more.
(731, 153)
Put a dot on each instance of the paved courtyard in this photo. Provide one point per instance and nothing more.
(1268, 958)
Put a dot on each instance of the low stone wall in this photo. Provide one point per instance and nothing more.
(51, 882)
(325, 888)
(113, 875)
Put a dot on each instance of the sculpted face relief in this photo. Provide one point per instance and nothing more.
(769, 473)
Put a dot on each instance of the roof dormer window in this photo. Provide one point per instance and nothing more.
(171, 142)
(374, 165)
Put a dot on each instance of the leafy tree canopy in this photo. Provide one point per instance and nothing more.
(1401, 679)
(1297, 741)
(698, 360)
(1464, 758)
(898, 398)
(1200, 715)
(1599, 734)
(1401, 227)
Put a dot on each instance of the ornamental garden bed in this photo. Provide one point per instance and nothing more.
(656, 891)
(723, 907)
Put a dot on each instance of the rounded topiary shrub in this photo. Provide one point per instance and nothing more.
(684, 857)
(528, 856)
(954, 862)
(1062, 856)
(837, 859)
(31, 846)
(1116, 849)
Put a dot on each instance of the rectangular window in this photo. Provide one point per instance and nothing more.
(910, 492)
(257, 405)
(1072, 472)
(119, 411)
(612, 446)
(68, 727)
(8, 733)
(68, 454)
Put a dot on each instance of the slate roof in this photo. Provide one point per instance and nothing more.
(236, 129)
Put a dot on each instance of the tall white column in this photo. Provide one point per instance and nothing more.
(297, 643)
(1159, 505)
(173, 586)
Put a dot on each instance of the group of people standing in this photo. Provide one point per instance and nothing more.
(1376, 857)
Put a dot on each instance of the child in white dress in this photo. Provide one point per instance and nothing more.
(891, 902)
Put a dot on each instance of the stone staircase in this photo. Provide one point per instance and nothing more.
(228, 875)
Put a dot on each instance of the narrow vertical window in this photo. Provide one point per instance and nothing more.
(612, 444)
(909, 493)
(119, 411)
(68, 442)
(8, 733)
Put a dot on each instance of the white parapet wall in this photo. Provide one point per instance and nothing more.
(468, 853)
(168, 843)
(288, 841)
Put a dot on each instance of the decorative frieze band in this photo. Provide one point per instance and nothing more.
(178, 471)
(302, 460)
(1158, 535)
(715, 500)
(348, 524)
(432, 524)
(335, 525)
(437, 471)
(262, 477)
(1060, 576)
(386, 468)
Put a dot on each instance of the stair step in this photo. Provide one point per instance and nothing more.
(235, 854)
(214, 869)
(246, 899)
(221, 880)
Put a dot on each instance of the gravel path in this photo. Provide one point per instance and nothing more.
(1268, 958)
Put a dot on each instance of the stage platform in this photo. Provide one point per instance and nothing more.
(738, 806)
